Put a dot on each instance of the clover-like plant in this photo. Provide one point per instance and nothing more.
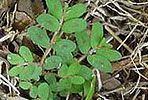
(63, 71)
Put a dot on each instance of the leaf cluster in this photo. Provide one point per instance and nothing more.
(62, 72)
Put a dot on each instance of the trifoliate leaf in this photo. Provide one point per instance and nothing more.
(26, 53)
(85, 72)
(65, 45)
(48, 22)
(83, 41)
(100, 63)
(96, 35)
(74, 69)
(52, 62)
(74, 25)
(50, 78)
(33, 92)
(25, 85)
(38, 36)
(77, 80)
(43, 91)
(14, 71)
(15, 59)
(111, 55)
(75, 11)
(63, 71)
(55, 8)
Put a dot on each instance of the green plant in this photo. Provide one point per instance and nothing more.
(63, 71)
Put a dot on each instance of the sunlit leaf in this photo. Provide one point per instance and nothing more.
(48, 22)
(74, 25)
(38, 36)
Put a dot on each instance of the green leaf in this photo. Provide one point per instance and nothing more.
(65, 45)
(86, 87)
(43, 91)
(76, 88)
(85, 72)
(77, 80)
(25, 85)
(74, 25)
(38, 36)
(83, 41)
(64, 84)
(48, 22)
(50, 78)
(27, 72)
(54, 87)
(55, 8)
(67, 57)
(64, 93)
(100, 63)
(75, 11)
(36, 72)
(96, 35)
(33, 92)
(91, 90)
(74, 69)
(26, 53)
(104, 44)
(14, 71)
(52, 62)
(15, 59)
(111, 55)
(63, 71)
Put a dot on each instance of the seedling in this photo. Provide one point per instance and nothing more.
(63, 71)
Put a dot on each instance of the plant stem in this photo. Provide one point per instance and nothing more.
(47, 51)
